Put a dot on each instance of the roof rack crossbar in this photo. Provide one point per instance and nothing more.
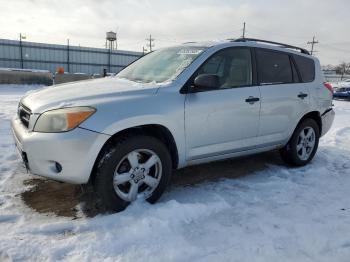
(302, 50)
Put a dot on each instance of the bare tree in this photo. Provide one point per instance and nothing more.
(343, 68)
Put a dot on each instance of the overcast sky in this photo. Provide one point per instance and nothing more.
(85, 22)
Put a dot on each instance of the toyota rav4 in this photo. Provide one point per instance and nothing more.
(175, 107)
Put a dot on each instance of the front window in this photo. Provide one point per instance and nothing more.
(233, 66)
(161, 65)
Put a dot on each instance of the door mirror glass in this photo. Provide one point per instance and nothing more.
(206, 82)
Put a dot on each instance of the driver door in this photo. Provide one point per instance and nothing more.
(223, 120)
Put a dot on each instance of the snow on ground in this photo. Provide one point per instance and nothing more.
(278, 214)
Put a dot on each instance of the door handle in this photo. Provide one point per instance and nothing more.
(302, 95)
(251, 100)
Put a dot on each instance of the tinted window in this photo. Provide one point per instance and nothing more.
(274, 67)
(233, 66)
(215, 65)
(306, 68)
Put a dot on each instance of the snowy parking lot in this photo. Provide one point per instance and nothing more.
(251, 209)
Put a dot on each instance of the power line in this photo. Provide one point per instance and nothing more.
(334, 48)
(312, 43)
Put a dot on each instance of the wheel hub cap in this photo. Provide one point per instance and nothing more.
(139, 172)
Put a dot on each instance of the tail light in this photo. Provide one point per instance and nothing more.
(328, 86)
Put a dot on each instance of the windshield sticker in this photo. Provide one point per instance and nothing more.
(190, 51)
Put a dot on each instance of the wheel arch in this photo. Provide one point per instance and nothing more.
(315, 115)
(155, 130)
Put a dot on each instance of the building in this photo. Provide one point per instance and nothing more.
(74, 59)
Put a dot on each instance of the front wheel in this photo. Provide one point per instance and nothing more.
(303, 145)
(135, 167)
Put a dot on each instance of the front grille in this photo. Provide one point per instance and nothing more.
(24, 114)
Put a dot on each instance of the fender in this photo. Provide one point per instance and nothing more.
(174, 128)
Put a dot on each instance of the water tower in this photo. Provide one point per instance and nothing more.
(111, 37)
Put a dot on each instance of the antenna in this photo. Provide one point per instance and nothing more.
(243, 35)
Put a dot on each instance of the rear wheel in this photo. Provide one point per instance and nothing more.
(136, 167)
(303, 145)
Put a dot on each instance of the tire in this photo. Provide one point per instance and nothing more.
(293, 152)
(126, 165)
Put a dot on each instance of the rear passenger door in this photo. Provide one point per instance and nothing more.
(284, 100)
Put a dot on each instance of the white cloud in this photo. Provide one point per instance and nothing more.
(86, 21)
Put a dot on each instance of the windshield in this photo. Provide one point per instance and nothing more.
(161, 65)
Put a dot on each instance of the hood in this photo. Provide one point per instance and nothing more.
(87, 92)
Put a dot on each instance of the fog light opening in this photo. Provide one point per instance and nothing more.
(58, 167)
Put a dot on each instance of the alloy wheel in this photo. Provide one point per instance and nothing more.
(306, 143)
(137, 174)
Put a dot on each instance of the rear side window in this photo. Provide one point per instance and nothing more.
(306, 68)
(274, 67)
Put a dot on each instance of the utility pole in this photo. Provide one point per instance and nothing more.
(150, 45)
(312, 43)
(21, 49)
(68, 69)
(243, 35)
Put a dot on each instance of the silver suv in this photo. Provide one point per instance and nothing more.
(175, 107)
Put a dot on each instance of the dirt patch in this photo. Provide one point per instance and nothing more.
(47, 196)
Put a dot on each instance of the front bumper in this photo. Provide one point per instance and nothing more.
(327, 120)
(75, 151)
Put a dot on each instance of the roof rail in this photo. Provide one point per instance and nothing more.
(302, 50)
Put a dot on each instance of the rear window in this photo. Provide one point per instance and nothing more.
(274, 67)
(306, 68)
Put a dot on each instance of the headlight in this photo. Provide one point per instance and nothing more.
(64, 119)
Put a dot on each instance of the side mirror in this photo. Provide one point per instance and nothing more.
(206, 82)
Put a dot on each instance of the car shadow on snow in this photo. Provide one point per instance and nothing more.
(61, 199)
